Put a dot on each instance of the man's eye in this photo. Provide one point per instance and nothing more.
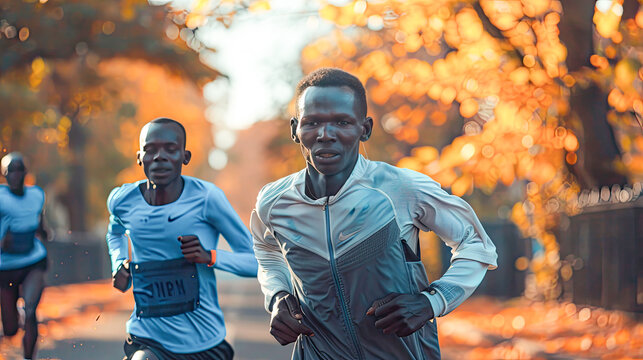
(343, 122)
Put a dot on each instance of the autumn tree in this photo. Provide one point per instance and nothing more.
(51, 86)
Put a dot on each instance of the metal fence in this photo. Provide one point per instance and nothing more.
(605, 245)
(506, 281)
(76, 258)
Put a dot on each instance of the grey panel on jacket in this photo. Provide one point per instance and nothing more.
(367, 272)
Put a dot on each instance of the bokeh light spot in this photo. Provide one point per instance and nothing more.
(108, 27)
(518, 322)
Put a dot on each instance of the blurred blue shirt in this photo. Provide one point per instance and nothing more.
(21, 214)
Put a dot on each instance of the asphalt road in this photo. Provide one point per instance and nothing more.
(87, 321)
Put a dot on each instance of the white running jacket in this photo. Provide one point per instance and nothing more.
(341, 253)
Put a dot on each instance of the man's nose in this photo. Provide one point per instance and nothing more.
(325, 133)
(160, 155)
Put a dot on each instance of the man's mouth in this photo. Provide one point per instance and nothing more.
(326, 154)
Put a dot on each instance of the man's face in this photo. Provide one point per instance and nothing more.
(329, 129)
(162, 152)
(15, 175)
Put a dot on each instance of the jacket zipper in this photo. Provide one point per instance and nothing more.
(333, 267)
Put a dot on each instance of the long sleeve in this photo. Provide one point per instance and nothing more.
(220, 214)
(273, 272)
(116, 235)
(455, 286)
(453, 220)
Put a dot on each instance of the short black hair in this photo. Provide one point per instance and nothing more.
(326, 77)
(164, 120)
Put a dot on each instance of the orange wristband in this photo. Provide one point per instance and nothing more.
(213, 258)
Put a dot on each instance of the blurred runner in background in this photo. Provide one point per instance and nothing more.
(23, 259)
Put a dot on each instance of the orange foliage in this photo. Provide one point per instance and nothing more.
(157, 93)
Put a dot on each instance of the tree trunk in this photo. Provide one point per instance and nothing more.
(598, 150)
(77, 188)
(75, 196)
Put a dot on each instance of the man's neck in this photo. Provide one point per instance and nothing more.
(320, 185)
(161, 195)
(18, 192)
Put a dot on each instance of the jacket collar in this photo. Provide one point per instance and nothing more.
(357, 173)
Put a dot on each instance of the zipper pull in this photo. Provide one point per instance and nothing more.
(325, 204)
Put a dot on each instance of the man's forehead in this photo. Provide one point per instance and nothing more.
(325, 94)
(160, 132)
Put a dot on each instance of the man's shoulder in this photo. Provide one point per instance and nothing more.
(36, 191)
(35, 188)
(383, 173)
(273, 190)
(121, 193)
(202, 189)
(199, 185)
(396, 181)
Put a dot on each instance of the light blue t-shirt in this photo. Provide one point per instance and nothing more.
(202, 210)
(21, 214)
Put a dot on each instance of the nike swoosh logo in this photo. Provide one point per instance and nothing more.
(170, 218)
(343, 237)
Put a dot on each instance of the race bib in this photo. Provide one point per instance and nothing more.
(18, 242)
(165, 288)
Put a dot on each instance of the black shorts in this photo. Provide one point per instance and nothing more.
(15, 277)
(223, 351)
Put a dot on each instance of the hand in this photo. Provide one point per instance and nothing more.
(121, 278)
(193, 251)
(285, 321)
(401, 314)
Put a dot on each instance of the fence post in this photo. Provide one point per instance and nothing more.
(605, 242)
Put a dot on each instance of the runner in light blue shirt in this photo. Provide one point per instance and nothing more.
(174, 223)
(23, 260)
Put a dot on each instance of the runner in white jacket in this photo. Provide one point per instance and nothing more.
(337, 242)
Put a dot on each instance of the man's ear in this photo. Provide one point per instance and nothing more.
(293, 130)
(367, 128)
(138, 158)
(187, 156)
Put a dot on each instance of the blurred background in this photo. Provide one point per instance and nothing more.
(531, 110)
